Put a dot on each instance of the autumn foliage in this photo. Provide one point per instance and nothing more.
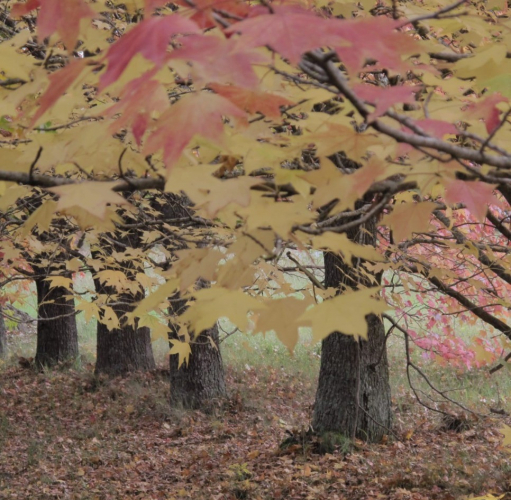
(286, 124)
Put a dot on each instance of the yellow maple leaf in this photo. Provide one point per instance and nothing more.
(159, 330)
(60, 281)
(154, 299)
(282, 316)
(90, 309)
(41, 218)
(341, 243)
(214, 303)
(182, 349)
(13, 193)
(196, 263)
(335, 137)
(208, 191)
(109, 318)
(238, 270)
(116, 279)
(92, 197)
(345, 313)
(409, 218)
(280, 216)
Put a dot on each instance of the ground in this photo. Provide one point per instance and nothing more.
(65, 434)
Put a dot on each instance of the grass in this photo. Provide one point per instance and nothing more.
(241, 352)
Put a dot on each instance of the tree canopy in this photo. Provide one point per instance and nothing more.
(286, 124)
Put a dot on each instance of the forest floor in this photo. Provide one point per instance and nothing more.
(65, 434)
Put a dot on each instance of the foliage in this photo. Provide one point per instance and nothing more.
(286, 125)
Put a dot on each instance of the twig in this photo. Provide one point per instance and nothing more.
(439, 14)
(304, 270)
(494, 132)
(33, 164)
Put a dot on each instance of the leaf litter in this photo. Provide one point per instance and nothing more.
(70, 435)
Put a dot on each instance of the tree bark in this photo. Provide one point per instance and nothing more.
(201, 381)
(57, 335)
(353, 394)
(126, 349)
(194, 385)
(3, 335)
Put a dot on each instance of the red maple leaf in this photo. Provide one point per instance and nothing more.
(373, 39)
(203, 11)
(201, 113)
(60, 81)
(138, 100)
(150, 37)
(252, 101)
(384, 98)
(289, 30)
(436, 128)
(475, 195)
(220, 60)
(57, 16)
(487, 111)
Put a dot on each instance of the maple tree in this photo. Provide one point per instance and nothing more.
(287, 125)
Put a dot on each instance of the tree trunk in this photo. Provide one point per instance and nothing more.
(57, 335)
(3, 335)
(202, 380)
(194, 385)
(126, 349)
(353, 395)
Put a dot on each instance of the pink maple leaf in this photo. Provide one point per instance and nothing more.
(57, 16)
(436, 128)
(384, 98)
(201, 113)
(138, 100)
(289, 30)
(60, 81)
(475, 195)
(487, 111)
(220, 60)
(150, 38)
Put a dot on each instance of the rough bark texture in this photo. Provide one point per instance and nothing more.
(123, 350)
(3, 336)
(57, 335)
(202, 380)
(194, 385)
(353, 395)
(128, 348)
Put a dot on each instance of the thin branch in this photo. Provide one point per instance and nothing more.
(304, 270)
(495, 131)
(439, 14)
(423, 141)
